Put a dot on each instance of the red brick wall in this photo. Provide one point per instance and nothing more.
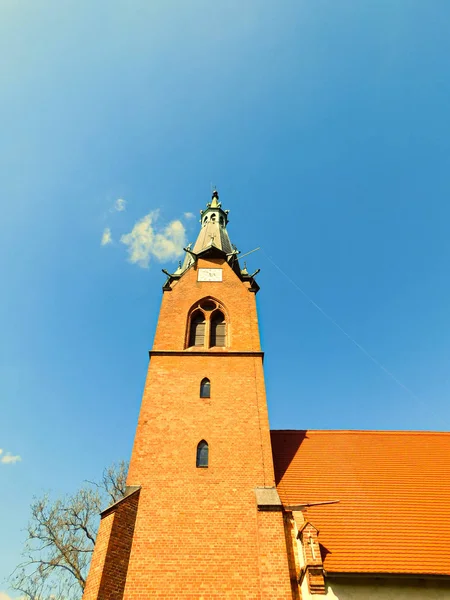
(198, 533)
(238, 301)
(274, 547)
(109, 566)
(98, 558)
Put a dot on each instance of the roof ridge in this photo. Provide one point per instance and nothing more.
(367, 431)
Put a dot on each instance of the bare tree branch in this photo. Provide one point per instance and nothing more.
(113, 481)
(61, 537)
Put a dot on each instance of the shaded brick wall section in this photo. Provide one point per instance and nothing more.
(290, 531)
(109, 567)
(98, 558)
(273, 558)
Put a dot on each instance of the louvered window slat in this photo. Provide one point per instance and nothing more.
(220, 334)
(199, 337)
(218, 330)
(197, 332)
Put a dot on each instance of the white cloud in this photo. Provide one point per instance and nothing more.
(4, 596)
(120, 205)
(189, 215)
(11, 459)
(145, 242)
(106, 239)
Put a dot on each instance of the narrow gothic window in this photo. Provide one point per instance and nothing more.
(197, 331)
(205, 388)
(202, 454)
(218, 329)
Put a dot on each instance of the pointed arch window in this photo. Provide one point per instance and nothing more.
(197, 331)
(207, 326)
(202, 454)
(217, 330)
(205, 388)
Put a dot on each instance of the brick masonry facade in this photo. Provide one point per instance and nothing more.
(109, 565)
(198, 532)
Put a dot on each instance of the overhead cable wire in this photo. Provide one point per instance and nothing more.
(341, 329)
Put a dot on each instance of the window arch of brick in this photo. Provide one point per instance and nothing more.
(205, 388)
(202, 459)
(207, 325)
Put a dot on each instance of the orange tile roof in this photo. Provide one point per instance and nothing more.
(394, 493)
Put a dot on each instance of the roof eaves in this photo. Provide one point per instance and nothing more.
(363, 431)
(212, 250)
(385, 574)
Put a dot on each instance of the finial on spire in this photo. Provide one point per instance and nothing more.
(214, 199)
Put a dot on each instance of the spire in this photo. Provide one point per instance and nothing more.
(213, 241)
(213, 232)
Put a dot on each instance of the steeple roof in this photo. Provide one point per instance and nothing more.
(212, 240)
(213, 235)
(213, 232)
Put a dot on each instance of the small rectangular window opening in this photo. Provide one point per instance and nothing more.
(202, 455)
(205, 389)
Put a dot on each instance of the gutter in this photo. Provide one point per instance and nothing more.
(385, 575)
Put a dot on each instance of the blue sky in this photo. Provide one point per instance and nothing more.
(325, 126)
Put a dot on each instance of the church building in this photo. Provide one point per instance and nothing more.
(219, 506)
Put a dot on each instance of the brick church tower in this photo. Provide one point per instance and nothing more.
(201, 517)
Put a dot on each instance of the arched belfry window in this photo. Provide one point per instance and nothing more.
(202, 454)
(197, 331)
(217, 332)
(207, 326)
(205, 388)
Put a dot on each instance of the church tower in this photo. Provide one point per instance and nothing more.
(201, 517)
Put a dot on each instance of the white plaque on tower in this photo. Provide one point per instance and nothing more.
(209, 275)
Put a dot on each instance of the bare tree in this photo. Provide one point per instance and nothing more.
(61, 536)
